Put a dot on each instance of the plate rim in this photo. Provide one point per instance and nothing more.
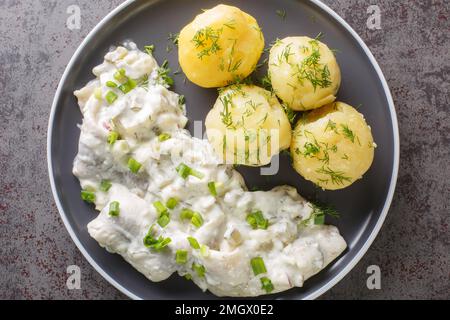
(358, 256)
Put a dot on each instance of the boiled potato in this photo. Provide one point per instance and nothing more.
(332, 146)
(304, 73)
(221, 45)
(248, 126)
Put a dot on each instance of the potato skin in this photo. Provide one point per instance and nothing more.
(221, 45)
(332, 146)
(248, 126)
(304, 73)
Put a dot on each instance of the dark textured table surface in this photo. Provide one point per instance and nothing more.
(413, 247)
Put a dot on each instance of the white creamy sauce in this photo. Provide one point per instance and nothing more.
(291, 250)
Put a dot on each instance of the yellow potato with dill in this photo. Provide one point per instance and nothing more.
(304, 72)
(332, 146)
(248, 126)
(221, 45)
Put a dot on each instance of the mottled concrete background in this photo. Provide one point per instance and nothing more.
(413, 247)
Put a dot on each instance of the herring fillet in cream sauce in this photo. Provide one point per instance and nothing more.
(291, 248)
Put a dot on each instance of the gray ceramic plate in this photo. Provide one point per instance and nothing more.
(363, 206)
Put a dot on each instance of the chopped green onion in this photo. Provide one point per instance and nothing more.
(185, 171)
(195, 217)
(114, 209)
(160, 208)
(128, 86)
(162, 243)
(319, 219)
(181, 256)
(267, 284)
(199, 269)
(111, 84)
(149, 240)
(258, 266)
(197, 220)
(164, 220)
(188, 277)
(164, 137)
(105, 185)
(88, 196)
(120, 75)
(134, 166)
(149, 49)
(186, 213)
(181, 100)
(212, 188)
(256, 220)
(194, 243)
(111, 97)
(113, 137)
(164, 217)
(172, 203)
(98, 93)
(204, 250)
(157, 244)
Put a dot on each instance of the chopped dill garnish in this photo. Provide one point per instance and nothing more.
(310, 149)
(230, 24)
(275, 43)
(234, 66)
(281, 13)
(337, 177)
(181, 100)
(335, 51)
(331, 125)
(266, 83)
(149, 49)
(291, 114)
(163, 74)
(143, 82)
(348, 133)
(173, 37)
(207, 39)
(311, 69)
(320, 211)
(286, 53)
(259, 30)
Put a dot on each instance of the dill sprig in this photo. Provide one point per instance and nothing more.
(173, 37)
(311, 69)
(163, 74)
(230, 24)
(331, 125)
(266, 83)
(310, 149)
(286, 53)
(207, 39)
(337, 177)
(281, 13)
(291, 114)
(143, 82)
(348, 133)
(320, 211)
(149, 49)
